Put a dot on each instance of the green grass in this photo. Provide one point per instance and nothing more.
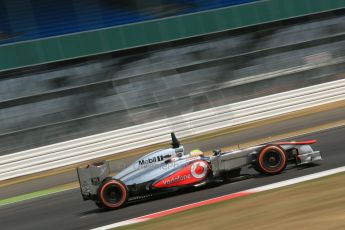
(33, 195)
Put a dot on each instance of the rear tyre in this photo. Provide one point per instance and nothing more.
(112, 194)
(271, 160)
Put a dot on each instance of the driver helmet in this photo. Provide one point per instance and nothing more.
(196, 152)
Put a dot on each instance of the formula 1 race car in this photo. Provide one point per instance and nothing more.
(173, 169)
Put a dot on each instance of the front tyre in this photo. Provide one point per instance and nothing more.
(271, 160)
(112, 194)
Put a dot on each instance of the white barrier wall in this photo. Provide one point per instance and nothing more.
(104, 144)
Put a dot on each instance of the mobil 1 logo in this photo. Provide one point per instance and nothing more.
(151, 160)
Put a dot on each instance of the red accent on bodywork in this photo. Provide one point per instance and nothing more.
(199, 169)
(185, 176)
(309, 142)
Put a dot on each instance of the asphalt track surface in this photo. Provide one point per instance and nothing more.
(66, 210)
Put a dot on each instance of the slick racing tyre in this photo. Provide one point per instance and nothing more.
(271, 160)
(112, 194)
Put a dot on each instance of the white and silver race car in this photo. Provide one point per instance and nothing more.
(172, 169)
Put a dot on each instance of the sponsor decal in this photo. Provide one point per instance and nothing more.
(151, 160)
(190, 174)
(199, 169)
(176, 179)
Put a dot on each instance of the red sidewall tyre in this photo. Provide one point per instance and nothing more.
(278, 157)
(112, 194)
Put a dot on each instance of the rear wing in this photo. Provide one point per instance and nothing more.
(90, 178)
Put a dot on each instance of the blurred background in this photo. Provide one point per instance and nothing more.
(30, 19)
(72, 68)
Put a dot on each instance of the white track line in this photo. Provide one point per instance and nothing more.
(222, 198)
(298, 180)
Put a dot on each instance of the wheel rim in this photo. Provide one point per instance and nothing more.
(113, 194)
(272, 159)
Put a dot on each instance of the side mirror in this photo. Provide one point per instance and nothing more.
(217, 152)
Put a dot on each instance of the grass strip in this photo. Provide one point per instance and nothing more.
(37, 194)
(316, 204)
